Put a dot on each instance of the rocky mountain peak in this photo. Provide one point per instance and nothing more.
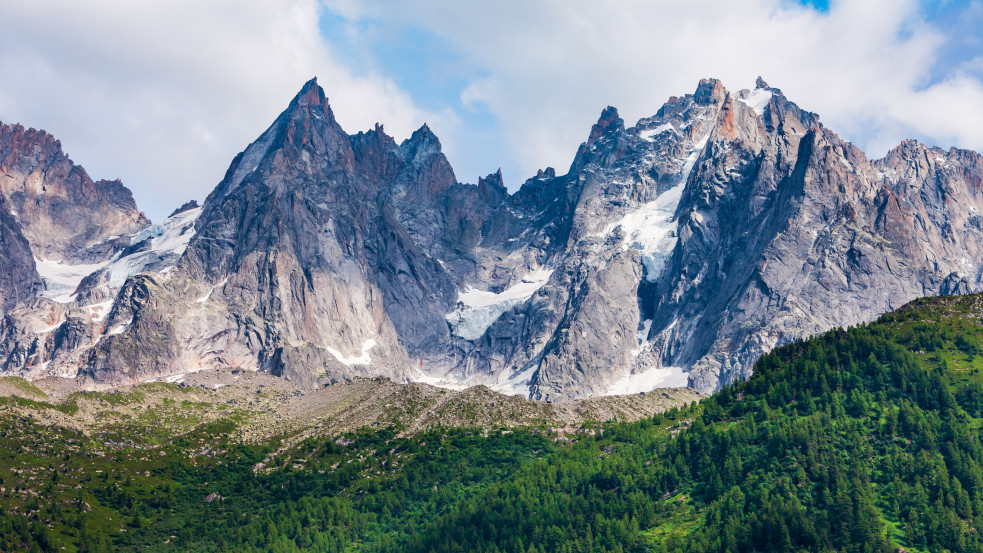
(676, 251)
(609, 123)
(422, 144)
(187, 206)
(760, 83)
(63, 213)
(710, 91)
(312, 95)
(492, 186)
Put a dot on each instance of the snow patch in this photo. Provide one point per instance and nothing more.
(119, 329)
(757, 100)
(204, 298)
(168, 241)
(650, 134)
(98, 311)
(477, 309)
(646, 381)
(363, 359)
(642, 336)
(175, 378)
(49, 329)
(61, 279)
(652, 228)
(515, 384)
(438, 381)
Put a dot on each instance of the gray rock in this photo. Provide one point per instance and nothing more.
(63, 213)
(19, 278)
(675, 251)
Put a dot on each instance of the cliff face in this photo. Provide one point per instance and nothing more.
(19, 279)
(673, 252)
(787, 231)
(65, 216)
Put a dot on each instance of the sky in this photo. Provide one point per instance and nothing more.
(164, 93)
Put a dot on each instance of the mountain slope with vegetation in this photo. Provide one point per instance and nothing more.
(863, 439)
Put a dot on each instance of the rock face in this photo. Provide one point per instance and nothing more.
(673, 252)
(65, 216)
(19, 279)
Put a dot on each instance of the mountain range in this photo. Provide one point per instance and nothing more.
(672, 253)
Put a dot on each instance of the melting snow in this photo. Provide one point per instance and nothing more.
(61, 279)
(651, 133)
(168, 239)
(515, 384)
(642, 336)
(204, 298)
(478, 309)
(119, 329)
(663, 377)
(49, 329)
(363, 359)
(757, 100)
(524, 289)
(440, 382)
(98, 311)
(652, 229)
(175, 378)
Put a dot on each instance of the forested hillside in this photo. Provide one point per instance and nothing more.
(859, 440)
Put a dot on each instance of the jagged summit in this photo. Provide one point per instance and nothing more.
(709, 91)
(311, 94)
(423, 142)
(608, 123)
(673, 252)
(64, 214)
(185, 207)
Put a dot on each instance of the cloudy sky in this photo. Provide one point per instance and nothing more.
(164, 93)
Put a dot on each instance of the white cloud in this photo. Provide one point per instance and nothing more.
(163, 93)
(550, 66)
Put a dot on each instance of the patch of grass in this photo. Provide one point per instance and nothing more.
(23, 385)
(67, 408)
(116, 399)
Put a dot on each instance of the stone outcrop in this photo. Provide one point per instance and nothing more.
(64, 214)
(19, 279)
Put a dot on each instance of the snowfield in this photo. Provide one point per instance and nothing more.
(61, 279)
(349, 360)
(477, 309)
(664, 377)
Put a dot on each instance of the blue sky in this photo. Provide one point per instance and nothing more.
(432, 71)
(164, 93)
(436, 70)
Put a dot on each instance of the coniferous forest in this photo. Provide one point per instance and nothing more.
(863, 439)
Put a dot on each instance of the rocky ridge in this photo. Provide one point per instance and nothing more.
(65, 215)
(670, 253)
